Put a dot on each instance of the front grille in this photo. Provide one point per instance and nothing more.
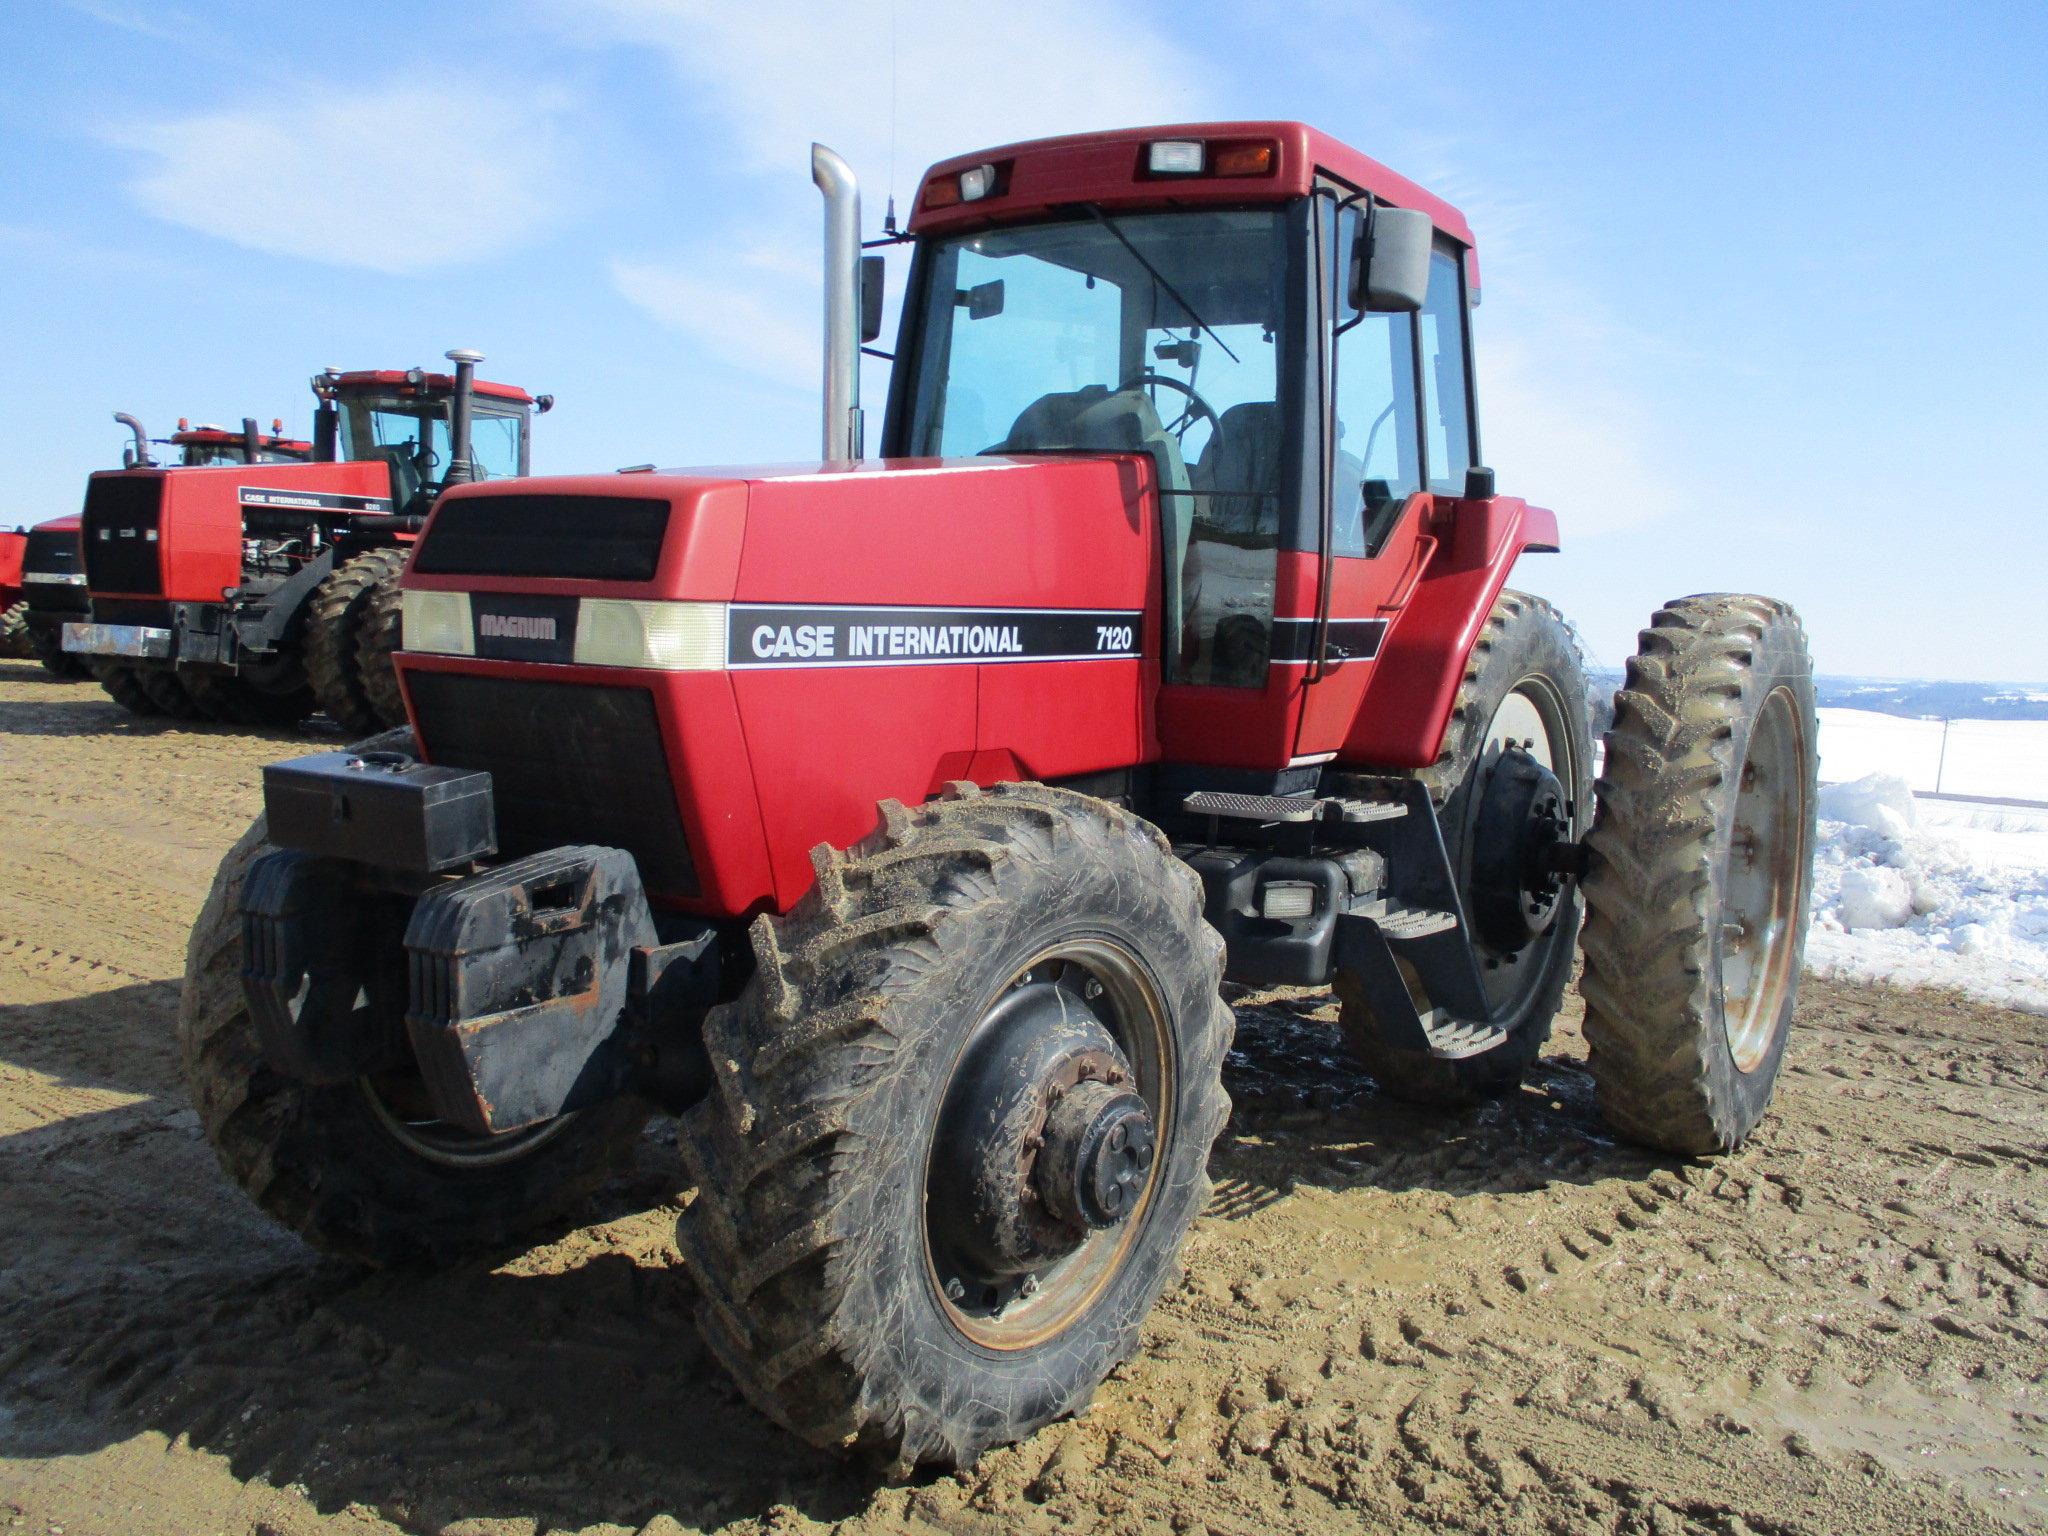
(569, 763)
(120, 533)
(589, 538)
(52, 552)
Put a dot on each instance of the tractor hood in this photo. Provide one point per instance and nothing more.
(985, 531)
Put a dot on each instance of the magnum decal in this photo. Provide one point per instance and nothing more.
(796, 635)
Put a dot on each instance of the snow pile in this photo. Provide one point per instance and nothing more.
(1931, 893)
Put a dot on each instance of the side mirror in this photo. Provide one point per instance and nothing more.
(982, 300)
(870, 298)
(542, 404)
(1393, 276)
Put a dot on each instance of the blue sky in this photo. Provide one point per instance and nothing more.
(1763, 303)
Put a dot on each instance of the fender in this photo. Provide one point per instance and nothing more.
(1407, 704)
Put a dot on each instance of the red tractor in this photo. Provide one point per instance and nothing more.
(53, 573)
(897, 823)
(258, 579)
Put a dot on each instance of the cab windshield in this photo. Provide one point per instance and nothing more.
(384, 427)
(1158, 333)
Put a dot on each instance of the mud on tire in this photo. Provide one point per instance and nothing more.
(1712, 751)
(1525, 643)
(325, 1162)
(808, 1237)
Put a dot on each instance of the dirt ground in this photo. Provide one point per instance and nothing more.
(1499, 1320)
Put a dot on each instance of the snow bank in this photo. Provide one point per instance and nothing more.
(1924, 894)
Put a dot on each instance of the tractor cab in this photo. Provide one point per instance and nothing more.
(408, 420)
(208, 443)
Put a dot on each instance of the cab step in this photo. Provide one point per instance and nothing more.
(1400, 922)
(1453, 1039)
(1266, 809)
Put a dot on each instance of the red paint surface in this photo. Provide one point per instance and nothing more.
(1105, 169)
(12, 547)
(436, 384)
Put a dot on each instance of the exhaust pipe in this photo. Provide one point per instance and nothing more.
(843, 426)
(138, 456)
(460, 471)
(252, 440)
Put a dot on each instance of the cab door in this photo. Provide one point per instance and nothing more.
(1398, 436)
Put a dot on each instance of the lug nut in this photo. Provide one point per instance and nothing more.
(1030, 1286)
(955, 1290)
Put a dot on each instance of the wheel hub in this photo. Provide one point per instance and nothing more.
(1516, 882)
(1098, 1146)
(1042, 1140)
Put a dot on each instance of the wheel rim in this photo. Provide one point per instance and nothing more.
(1760, 883)
(397, 1105)
(1531, 717)
(1015, 1311)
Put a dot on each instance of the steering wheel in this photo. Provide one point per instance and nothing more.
(1197, 409)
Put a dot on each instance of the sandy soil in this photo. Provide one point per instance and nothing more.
(1496, 1320)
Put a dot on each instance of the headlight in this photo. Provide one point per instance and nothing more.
(670, 636)
(437, 622)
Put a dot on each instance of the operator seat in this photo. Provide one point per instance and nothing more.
(406, 483)
(1097, 419)
(1243, 455)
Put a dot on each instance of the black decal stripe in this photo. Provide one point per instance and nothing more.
(1350, 639)
(309, 501)
(805, 635)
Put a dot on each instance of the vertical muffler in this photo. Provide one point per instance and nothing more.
(460, 469)
(136, 457)
(834, 177)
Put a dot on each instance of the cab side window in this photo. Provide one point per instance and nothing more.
(1447, 405)
(1376, 463)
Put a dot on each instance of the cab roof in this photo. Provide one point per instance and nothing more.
(400, 381)
(1108, 169)
(224, 437)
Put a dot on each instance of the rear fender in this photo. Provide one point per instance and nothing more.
(1407, 704)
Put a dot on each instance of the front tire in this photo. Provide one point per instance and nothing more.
(123, 684)
(332, 620)
(841, 1259)
(47, 642)
(1524, 682)
(1702, 873)
(379, 632)
(348, 1168)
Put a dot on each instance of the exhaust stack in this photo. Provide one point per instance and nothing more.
(843, 427)
(460, 471)
(138, 456)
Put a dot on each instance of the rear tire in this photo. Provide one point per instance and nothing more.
(123, 685)
(330, 644)
(814, 1152)
(1702, 873)
(379, 632)
(14, 630)
(1526, 654)
(336, 1165)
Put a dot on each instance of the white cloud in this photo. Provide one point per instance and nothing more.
(739, 327)
(768, 79)
(781, 75)
(399, 177)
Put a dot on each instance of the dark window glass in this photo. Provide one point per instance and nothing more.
(1376, 464)
(1448, 412)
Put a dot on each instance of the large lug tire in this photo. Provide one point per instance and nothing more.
(166, 692)
(1525, 682)
(14, 630)
(123, 684)
(1702, 872)
(826, 1237)
(47, 643)
(233, 700)
(332, 620)
(378, 635)
(342, 1166)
